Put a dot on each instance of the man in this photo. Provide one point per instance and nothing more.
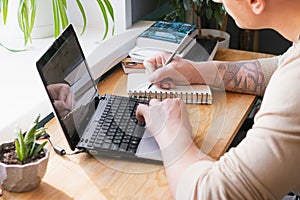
(265, 165)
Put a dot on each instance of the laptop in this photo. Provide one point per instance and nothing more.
(103, 125)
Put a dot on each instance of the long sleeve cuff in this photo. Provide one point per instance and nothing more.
(187, 186)
(268, 65)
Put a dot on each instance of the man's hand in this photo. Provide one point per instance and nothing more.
(62, 96)
(179, 71)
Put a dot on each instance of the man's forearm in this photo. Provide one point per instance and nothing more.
(242, 77)
(249, 77)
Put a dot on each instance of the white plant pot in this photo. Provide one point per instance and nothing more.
(218, 33)
(22, 178)
(43, 25)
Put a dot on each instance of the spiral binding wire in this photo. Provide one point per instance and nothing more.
(192, 98)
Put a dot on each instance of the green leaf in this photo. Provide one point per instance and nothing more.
(218, 18)
(110, 9)
(20, 16)
(40, 131)
(209, 13)
(32, 17)
(3, 9)
(39, 148)
(111, 13)
(12, 50)
(26, 16)
(32, 147)
(63, 14)
(29, 136)
(83, 16)
(22, 149)
(64, 2)
(56, 18)
(104, 14)
(18, 150)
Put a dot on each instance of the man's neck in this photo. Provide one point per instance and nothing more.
(287, 22)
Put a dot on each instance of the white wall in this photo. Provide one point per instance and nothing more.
(122, 11)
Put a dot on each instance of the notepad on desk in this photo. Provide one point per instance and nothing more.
(137, 86)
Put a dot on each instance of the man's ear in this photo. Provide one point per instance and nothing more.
(257, 6)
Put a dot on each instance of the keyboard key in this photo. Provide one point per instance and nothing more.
(99, 140)
(123, 147)
(131, 150)
(132, 146)
(97, 145)
(125, 140)
(116, 141)
(114, 147)
(106, 145)
(134, 142)
(107, 140)
(118, 137)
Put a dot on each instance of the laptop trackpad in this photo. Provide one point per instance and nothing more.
(148, 148)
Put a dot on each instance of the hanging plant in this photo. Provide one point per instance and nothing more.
(27, 12)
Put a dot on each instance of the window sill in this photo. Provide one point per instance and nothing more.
(23, 96)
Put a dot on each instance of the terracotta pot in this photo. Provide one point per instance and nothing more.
(22, 178)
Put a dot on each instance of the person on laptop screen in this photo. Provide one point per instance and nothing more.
(62, 97)
(265, 165)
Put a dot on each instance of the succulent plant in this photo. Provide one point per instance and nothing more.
(26, 146)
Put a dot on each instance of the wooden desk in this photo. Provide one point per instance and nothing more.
(84, 177)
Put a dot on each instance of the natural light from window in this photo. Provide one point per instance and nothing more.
(23, 95)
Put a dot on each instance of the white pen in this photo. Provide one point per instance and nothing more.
(185, 41)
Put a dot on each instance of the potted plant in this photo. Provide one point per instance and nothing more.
(206, 14)
(27, 10)
(23, 162)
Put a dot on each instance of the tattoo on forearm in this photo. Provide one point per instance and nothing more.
(242, 77)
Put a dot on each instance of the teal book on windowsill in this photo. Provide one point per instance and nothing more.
(167, 36)
(163, 36)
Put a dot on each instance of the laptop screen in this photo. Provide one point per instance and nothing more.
(69, 84)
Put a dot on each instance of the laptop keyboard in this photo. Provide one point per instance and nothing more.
(117, 128)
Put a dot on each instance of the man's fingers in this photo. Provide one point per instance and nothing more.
(155, 62)
(150, 66)
(143, 110)
(153, 102)
(167, 84)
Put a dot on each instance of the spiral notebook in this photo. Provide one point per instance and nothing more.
(137, 87)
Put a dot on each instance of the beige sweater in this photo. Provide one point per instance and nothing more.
(266, 164)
